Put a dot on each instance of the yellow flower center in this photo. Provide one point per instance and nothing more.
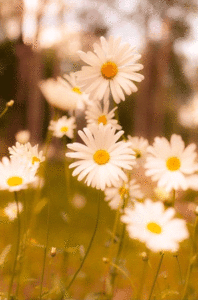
(138, 154)
(109, 70)
(77, 90)
(14, 181)
(124, 192)
(154, 228)
(35, 159)
(102, 119)
(101, 157)
(173, 163)
(64, 129)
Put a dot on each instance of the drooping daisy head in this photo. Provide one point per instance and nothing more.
(96, 114)
(170, 163)
(27, 152)
(63, 126)
(15, 174)
(11, 210)
(139, 146)
(126, 191)
(151, 224)
(112, 67)
(102, 158)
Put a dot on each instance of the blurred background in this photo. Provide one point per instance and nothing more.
(40, 38)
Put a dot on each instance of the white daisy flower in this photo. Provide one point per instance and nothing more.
(63, 126)
(112, 68)
(151, 224)
(102, 158)
(25, 151)
(22, 136)
(139, 146)
(126, 190)
(15, 174)
(96, 114)
(11, 210)
(170, 163)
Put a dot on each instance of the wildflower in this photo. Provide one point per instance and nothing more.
(64, 94)
(170, 163)
(27, 152)
(63, 126)
(151, 224)
(125, 191)
(15, 174)
(139, 146)
(11, 210)
(22, 136)
(112, 68)
(102, 158)
(96, 114)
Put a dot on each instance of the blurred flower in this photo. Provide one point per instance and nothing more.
(162, 194)
(170, 163)
(63, 126)
(125, 191)
(22, 136)
(188, 114)
(11, 210)
(151, 224)
(139, 146)
(64, 93)
(55, 93)
(27, 152)
(112, 68)
(15, 174)
(102, 159)
(96, 114)
(79, 201)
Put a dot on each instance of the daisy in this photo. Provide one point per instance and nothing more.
(102, 158)
(63, 126)
(151, 224)
(25, 151)
(96, 114)
(11, 210)
(15, 174)
(126, 190)
(170, 163)
(139, 146)
(112, 67)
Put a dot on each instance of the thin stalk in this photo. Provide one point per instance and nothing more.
(45, 251)
(89, 246)
(143, 275)
(124, 273)
(190, 266)
(179, 267)
(156, 275)
(17, 246)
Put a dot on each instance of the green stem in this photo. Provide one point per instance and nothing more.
(143, 275)
(45, 251)
(156, 275)
(89, 246)
(17, 246)
(190, 266)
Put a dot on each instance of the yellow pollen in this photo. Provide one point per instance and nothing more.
(109, 70)
(101, 157)
(154, 228)
(173, 163)
(14, 181)
(102, 119)
(35, 159)
(64, 129)
(77, 90)
(124, 193)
